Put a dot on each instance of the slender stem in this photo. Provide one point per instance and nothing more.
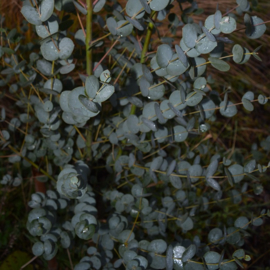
(28, 262)
(96, 66)
(134, 224)
(147, 38)
(80, 21)
(133, 109)
(89, 142)
(98, 39)
(83, 4)
(69, 257)
(243, 28)
(89, 69)
(120, 73)
(79, 133)
(230, 10)
(145, 49)
(24, 75)
(31, 162)
(89, 37)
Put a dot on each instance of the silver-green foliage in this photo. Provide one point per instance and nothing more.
(153, 166)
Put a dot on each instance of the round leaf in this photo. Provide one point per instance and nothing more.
(238, 53)
(262, 99)
(212, 257)
(158, 246)
(49, 51)
(205, 45)
(177, 99)
(175, 181)
(241, 222)
(189, 35)
(66, 47)
(219, 64)
(156, 91)
(158, 5)
(176, 67)
(91, 86)
(88, 104)
(257, 221)
(31, 15)
(124, 28)
(227, 25)
(133, 8)
(194, 172)
(247, 104)
(38, 249)
(46, 9)
(187, 224)
(149, 111)
(189, 253)
(180, 133)
(105, 93)
(215, 235)
(52, 25)
(164, 55)
(236, 170)
(230, 111)
(258, 28)
(99, 5)
(112, 25)
(193, 99)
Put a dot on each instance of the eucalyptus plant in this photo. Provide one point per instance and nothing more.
(116, 111)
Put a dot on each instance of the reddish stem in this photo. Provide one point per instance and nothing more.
(83, 4)
(243, 28)
(229, 11)
(96, 66)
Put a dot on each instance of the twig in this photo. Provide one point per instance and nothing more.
(89, 37)
(28, 262)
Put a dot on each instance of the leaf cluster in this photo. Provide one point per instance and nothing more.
(124, 149)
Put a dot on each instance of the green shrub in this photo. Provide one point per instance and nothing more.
(119, 122)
